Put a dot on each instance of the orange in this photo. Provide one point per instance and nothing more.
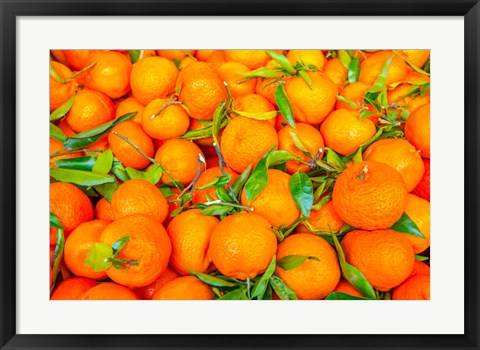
(275, 203)
(148, 245)
(201, 90)
(423, 188)
(344, 132)
(308, 136)
(180, 159)
(418, 209)
(371, 67)
(71, 206)
(208, 176)
(184, 288)
(253, 59)
(414, 77)
(370, 195)
(313, 279)
(60, 93)
(57, 147)
(204, 55)
(153, 77)
(216, 59)
(110, 74)
(185, 62)
(309, 57)
(253, 103)
(336, 71)
(109, 291)
(146, 292)
(230, 72)
(417, 129)
(414, 288)
(345, 287)
(311, 104)
(78, 245)
(130, 105)
(78, 59)
(267, 87)
(139, 197)
(175, 54)
(197, 124)
(326, 218)
(420, 268)
(385, 257)
(123, 151)
(417, 57)
(190, 233)
(90, 109)
(400, 155)
(72, 288)
(104, 211)
(162, 121)
(59, 56)
(242, 245)
(354, 92)
(245, 141)
(398, 96)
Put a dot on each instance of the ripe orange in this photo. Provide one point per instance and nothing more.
(72, 288)
(400, 98)
(190, 233)
(184, 288)
(242, 245)
(326, 218)
(418, 209)
(414, 288)
(153, 77)
(309, 57)
(148, 245)
(417, 129)
(197, 124)
(139, 197)
(370, 195)
(266, 87)
(400, 155)
(253, 103)
(253, 59)
(208, 176)
(90, 109)
(371, 67)
(78, 245)
(175, 54)
(162, 121)
(110, 74)
(104, 210)
(109, 291)
(60, 93)
(126, 153)
(230, 72)
(130, 105)
(344, 132)
(420, 268)
(59, 56)
(245, 141)
(311, 104)
(146, 292)
(417, 57)
(423, 188)
(313, 279)
(336, 71)
(78, 59)
(309, 137)
(216, 59)
(385, 257)
(204, 55)
(71, 206)
(354, 92)
(345, 287)
(275, 203)
(201, 90)
(180, 159)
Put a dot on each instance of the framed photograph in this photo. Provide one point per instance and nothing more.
(151, 181)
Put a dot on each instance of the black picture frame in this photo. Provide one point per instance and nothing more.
(10, 10)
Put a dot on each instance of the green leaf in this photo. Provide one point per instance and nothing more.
(107, 190)
(57, 133)
(166, 191)
(426, 66)
(262, 72)
(237, 294)
(268, 293)
(216, 209)
(353, 275)
(257, 116)
(118, 245)
(119, 170)
(80, 177)
(290, 262)
(61, 111)
(404, 114)
(58, 253)
(334, 159)
(301, 189)
(354, 70)
(104, 162)
(343, 296)
(284, 105)
(217, 120)
(153, 174)
(240, 180)
(366, 114)
(406, 225)
(261, 285)
(305, 77)
(219, 181)
(279, 157)
(90, 136)
(259, 178)
(299, 144)
(282, 290)
(80, 163)
(223, 195)
(347, 101)
(98, 255)
(415, 68)
(421, 258)
(54, 221)
(55, 76)
(282, 61)
(134, 55)
(357, 158)
(211, 280)
(345, 58)
(379, 85)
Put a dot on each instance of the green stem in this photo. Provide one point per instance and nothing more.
(219, 202)
(123, 261)
(81, 71)
(222, 163)
(201, 161)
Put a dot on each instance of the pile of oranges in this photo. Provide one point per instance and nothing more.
(240, 174)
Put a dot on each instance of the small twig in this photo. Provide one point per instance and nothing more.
(201, 161)
(81, 71)
(313, 163)
(222, 163)
(219, 202)
(173, 101)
